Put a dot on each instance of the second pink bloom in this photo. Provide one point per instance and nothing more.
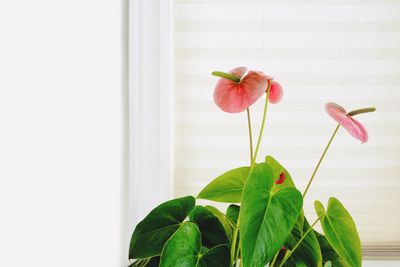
(355, 128)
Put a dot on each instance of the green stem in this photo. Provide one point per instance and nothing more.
(234, 241)
(234, 252)
(287, 256)
(226, 76)
(263, 121)
(274, 259)
(320, 160)
(250, 136)
(361, 111)
(237, 254)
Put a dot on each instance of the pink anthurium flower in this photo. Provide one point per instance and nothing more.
(235, 91)
(355, 128)
(276, 92)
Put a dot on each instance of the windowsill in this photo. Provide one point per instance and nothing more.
(381, 263)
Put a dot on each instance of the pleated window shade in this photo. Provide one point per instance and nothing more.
(345, 51)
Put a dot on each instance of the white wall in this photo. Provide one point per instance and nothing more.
(63, 133)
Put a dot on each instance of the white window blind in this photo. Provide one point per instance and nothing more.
(345, 51)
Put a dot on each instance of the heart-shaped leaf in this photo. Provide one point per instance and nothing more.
(212, 231)
(340, 231)
(218, 256)
(309, 251)
(278, 169)
(328, 253)
(153, 231)
(232, 212)
(223, 219)
(184, 249)
(268, 214)
(227, 187)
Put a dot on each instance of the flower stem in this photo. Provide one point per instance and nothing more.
(320, 160)
(287, 256)
(226, 76)
(250, 136)
(234, 240)
(274, 259)
(237, 254)
(263, 121)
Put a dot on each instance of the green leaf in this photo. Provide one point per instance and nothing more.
(223, 219)
(340, 231)
(232, 212)
(212, 231)
(153, 231)
(184, 249)
(278, 169)
(227, 187)
(268, 214)
(148, 262)
(218, 256)
(328, 264)
(309, 250)
(328, 253)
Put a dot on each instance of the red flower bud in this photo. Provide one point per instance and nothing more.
(281, 178)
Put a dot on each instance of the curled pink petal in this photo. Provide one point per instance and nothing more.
(235, 97)
(355, 128)
(335, 111)
(238, 72)
(276, 93)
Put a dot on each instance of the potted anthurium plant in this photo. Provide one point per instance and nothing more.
(264, 223)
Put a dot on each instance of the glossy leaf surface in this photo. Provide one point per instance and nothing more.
(212, 231)
(268, 214)
(223, 219)
(328, 253)
(278, 169)
(340, 231)
(227, 187)
(309, 251)
(232, 212)
(184, 249)
(153, 231)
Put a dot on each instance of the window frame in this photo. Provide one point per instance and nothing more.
(150, 102)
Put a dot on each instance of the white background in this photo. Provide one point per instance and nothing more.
(63, 127)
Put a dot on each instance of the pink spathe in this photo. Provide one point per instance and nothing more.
(339, 114)
(236, 97)
(276, 93)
